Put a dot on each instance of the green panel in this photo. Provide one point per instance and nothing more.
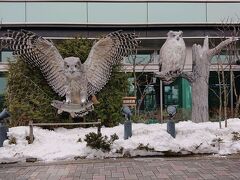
(178, 93)
(70, 12)
(104, 13)
(218, 12)
(176, 12)
(186, 94)
(12, 12)
(3, 84)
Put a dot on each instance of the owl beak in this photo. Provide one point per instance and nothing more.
(178, 38)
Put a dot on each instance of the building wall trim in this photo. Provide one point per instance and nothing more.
(136, 1)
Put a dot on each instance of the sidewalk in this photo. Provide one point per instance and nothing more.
(138, 168)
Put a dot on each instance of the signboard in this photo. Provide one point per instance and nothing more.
(130, 101)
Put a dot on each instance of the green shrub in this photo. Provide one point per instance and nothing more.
(12, 140)
(28, 96)
(114, 137)
(97, 141)
(120, 150)
(2, 102)
(236, 136)
(110, 98)
(144, 147)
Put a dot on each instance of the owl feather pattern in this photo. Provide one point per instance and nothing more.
(69, 77)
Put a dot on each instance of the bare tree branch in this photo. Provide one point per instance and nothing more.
(220, 46)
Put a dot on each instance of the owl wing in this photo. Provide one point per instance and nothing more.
(38, 52)
(108, 51)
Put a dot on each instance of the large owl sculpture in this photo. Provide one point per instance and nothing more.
(69, 77)
(172, 57)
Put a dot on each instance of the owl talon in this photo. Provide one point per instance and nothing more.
(59, 111)
(73, 115)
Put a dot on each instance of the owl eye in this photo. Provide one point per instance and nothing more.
(174, 35)
(67, 66)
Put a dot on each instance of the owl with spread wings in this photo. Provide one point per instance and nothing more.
(68, 76)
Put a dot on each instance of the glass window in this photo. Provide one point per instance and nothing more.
(213, 93)
(3, 83)
(7, 56)
(171, 95)
(131, 87)
(226, 59)
(179, 95)
(218, 12)
(143, 57)
(12, 12)
(150, 98)
(139, 59)
(176, 12)
(57, 12)
(117, 13)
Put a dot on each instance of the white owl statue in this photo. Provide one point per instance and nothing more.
(172, 57)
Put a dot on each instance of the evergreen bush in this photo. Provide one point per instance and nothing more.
(97, 141)
(28, 96)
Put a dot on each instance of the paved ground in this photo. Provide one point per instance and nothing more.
(138, 168)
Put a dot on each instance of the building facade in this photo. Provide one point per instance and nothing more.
(149, 19)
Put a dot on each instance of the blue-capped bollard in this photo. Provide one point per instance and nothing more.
(127, 129)
(171, 110)
(127, 124)
(3, 134)
(171, 128)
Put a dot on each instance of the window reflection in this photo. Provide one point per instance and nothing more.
(171, 95)
(150, 98)
(142, 57)
(7, 56)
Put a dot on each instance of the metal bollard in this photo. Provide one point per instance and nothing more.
(3, 134)
(127, 129)
(171, 128)
(171, 110)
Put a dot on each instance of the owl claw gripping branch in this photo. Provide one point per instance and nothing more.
(69, 77)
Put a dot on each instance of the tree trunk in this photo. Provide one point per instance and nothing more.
(220, 99)
(201, 56)
(201, 65)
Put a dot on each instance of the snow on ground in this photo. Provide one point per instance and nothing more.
(61, 144)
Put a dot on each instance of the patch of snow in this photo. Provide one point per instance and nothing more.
(62, 144)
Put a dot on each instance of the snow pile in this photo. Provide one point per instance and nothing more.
(62, 144)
